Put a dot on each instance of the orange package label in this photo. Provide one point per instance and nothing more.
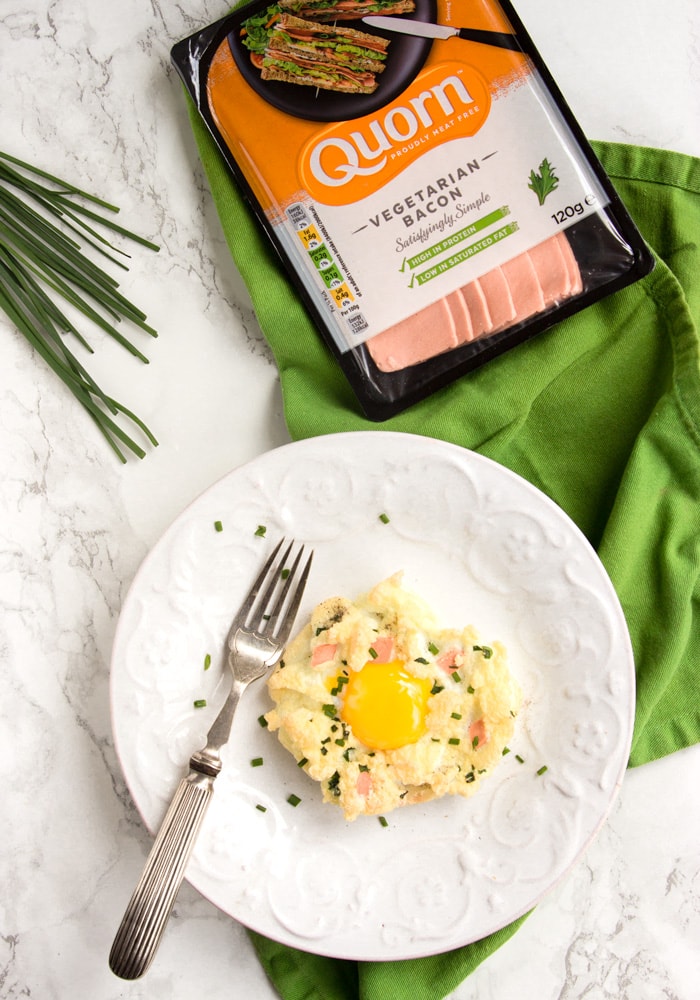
(394, 168)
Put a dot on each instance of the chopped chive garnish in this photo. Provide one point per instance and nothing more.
(485, 650)
(505, 751)
(542, 769)
(262, 809)
(384, 518)
(207, 661)
(383, 821)
(363, 767)
(373, 652)
(263, 721)
(420, 659)
(340, 743)
(475, 743)
(293, 800)
(454, 741)
(456, 715)
(436, 688)
(329, 710)
(519, 759)
(218, 526)
(322, 628)
(200, 703)
(470, 777)
(260, 531)
(456, 677)
(256, 762)
(284, 574)
(432, 648)
(303, 762)
(470, 690)
(434, 739)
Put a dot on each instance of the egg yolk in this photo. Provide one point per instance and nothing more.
(385, 706)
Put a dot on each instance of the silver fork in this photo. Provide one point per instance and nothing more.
(255, 643)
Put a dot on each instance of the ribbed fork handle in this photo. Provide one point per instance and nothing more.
(147, 913)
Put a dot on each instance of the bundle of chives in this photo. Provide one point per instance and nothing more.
(37, 258)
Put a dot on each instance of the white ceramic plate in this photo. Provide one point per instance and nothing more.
(483, 547)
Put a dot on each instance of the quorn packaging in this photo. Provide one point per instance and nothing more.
(419, 174)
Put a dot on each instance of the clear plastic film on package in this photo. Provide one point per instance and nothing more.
(433, 198)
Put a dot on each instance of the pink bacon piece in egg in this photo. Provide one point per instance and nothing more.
(450, 660)
(323, 653)
(383, 647)
(478, 735)
(363, 783)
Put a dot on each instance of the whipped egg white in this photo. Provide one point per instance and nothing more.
(384, 708)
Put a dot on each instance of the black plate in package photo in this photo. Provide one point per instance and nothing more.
(406, 57)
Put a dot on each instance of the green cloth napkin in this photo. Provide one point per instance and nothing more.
(601, 413)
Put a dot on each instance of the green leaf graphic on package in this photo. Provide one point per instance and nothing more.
(544, 182)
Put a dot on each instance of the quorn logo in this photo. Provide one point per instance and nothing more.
(351, 160)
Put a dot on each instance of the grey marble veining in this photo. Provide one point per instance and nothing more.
(90, 94)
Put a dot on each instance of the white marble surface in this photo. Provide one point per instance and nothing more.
(89, 93)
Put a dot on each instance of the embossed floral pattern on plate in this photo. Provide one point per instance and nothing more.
(483, 546)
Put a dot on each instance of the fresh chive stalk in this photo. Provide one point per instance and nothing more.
(42, 263)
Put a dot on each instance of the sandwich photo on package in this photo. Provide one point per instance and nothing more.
(420, 175)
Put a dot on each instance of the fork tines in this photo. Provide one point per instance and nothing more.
(263, 611)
